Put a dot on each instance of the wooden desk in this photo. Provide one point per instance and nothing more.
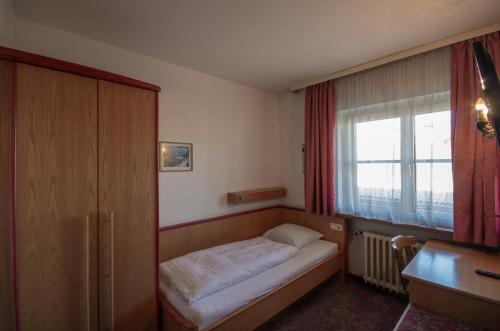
(442, 278)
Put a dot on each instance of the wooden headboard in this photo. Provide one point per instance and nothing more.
(181, 239)
(318, 223)
(185, 238)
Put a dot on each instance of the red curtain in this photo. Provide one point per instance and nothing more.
(320, 149)
(476, 161)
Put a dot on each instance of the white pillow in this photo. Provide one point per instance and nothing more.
(292, 234)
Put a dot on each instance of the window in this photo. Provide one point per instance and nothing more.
(378, 145)
(426, 190)
(393, 151)
(433, 175)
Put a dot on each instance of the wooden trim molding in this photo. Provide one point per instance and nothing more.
(293, 208)
(6, 196)
(176, 316)
(215, 218)
(78, 69)
(401, 319)
(13, 183)
(157, 211)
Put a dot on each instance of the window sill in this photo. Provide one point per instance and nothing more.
(442, 231)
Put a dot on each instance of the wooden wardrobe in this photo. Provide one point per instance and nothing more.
(79, 203)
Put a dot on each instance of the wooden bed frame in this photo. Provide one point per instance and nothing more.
(181, 239)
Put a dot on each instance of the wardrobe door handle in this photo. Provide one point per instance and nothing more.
(112, 273)
(87, 269)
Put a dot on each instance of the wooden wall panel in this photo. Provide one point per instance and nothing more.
(322, 224)
(6, 75)
(56, 200)
(191, 237)
(316, 222)
(182, 240)
(127, 203)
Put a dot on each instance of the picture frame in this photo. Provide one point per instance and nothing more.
(175, 156)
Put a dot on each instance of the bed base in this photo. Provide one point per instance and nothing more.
(263, 308)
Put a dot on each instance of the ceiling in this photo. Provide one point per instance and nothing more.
(268, 44)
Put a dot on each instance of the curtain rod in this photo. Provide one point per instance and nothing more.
(401, 55)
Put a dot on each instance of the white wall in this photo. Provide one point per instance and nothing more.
(243, 138)
(291, 177)
(234, 128)
(6, 23)
(291, 106)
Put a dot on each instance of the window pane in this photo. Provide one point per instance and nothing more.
(379, 181)
(434, 186)
(379, 140)
(432, 136)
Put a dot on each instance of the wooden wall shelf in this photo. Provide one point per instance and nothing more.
(256, 195)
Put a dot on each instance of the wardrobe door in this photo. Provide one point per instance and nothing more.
(127, 205)
(6, 70)
(56, 200)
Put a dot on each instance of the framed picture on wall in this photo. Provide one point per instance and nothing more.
(176, 156)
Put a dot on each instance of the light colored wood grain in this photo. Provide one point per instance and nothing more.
(404, 252)
(403, 242)
(452, 267)
(184, 240)
(316, 222)
(6, 70)
(322, 224)
(173, 320)
(56, 133)
(442, 278)
(461, 306)
(127, 188)
(256, 195)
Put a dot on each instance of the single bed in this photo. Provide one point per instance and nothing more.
(251, 302)
(206, 312)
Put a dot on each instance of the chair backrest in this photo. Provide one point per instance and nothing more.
(404, 251)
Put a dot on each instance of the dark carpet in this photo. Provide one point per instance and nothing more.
(418, 318)
(338, 306)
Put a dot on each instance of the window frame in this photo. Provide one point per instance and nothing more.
(407, 205)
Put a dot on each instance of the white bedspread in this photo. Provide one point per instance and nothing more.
(205, 312)
(201, 273)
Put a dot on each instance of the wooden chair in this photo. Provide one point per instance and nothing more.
(403, 251)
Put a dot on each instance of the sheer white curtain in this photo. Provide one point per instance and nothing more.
(393, 155)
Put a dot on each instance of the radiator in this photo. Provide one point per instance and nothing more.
(380, 266)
